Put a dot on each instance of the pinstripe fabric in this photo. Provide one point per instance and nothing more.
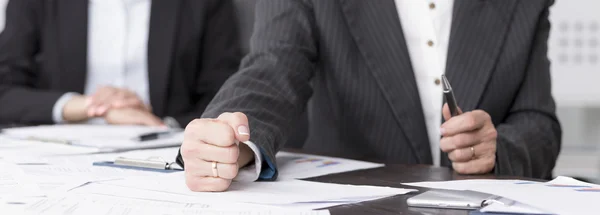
(349, 61)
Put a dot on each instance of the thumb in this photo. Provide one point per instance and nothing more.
(239, 123)
(446, 112)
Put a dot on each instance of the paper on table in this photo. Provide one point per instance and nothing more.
(167, 154)
(88, 173)
(517, 208)
(76, 132)
(13, 183)
(299, 166)
(107, 205)
(135, 193)
(562, 195)
(280, 192)
(104, 138)
(13, 147)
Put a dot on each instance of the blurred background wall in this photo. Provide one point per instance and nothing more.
(575, 53)
(574, 49)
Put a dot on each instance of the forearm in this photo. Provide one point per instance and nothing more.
(528, 145)
(27, 106)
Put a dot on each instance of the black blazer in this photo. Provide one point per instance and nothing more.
(192, 49)
(350, 58)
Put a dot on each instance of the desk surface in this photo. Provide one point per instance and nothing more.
(393, 176)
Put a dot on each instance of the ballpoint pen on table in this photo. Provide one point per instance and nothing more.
(152, 163)
(449, 95)
(154, 136)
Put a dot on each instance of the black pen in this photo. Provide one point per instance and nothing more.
(153, 136)
(449, 95)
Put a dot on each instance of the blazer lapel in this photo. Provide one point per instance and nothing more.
(72, 33)
(163, 25)
(376, 28)
(478, 32)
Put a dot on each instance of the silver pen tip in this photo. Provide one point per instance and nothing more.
(445, 84)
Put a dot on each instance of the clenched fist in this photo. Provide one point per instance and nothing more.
(212, 152)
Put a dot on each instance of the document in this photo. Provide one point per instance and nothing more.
(167, 154)
(103, 138)
(10, 147)
(108, 205)
(13, 183)
(91, 173)
(562, 195)
(300, 166)
(265, 193)
(75, 132)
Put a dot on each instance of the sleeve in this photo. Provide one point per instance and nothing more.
(20, 101)
(272, 86)
(220, 56)
(57, 109)
(529, 140)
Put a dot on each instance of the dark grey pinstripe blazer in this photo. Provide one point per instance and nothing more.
(350, 59)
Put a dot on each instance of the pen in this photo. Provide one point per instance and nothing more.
(55, 140)
(449, 95)
(151, 164)
(153, 136)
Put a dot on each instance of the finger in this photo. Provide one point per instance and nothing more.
(206, 184)
(462, 140)
(210, 131)
(149, 119)
(102, 92)
(100, 111)
(210, 152)
(462, 154)
(202, 168)
(465, 122)
(103, 98)
(132, 102)
(239, 122)
(482, 165)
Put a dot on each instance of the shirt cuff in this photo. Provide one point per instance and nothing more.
(256, 171)
(57, 110)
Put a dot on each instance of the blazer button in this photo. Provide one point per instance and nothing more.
(430, 43)
(437, 82)
(431, 5)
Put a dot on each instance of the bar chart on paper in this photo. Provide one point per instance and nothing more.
(299, 166)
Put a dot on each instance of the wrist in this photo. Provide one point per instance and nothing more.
(75, 110)
(246, 155)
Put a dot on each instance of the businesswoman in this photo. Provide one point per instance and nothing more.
(147, 62)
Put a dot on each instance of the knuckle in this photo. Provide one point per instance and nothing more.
(471, 121)
(227, 136)
(194, 122)
(240, 116)
(458, 168)
(493, 134)
(224, 115)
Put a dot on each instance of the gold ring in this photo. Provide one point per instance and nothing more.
(215, 170)
(472, 152)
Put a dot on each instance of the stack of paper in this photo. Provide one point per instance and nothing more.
(562, 195)
(107, 205)
(103, 138)
(281, 193)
